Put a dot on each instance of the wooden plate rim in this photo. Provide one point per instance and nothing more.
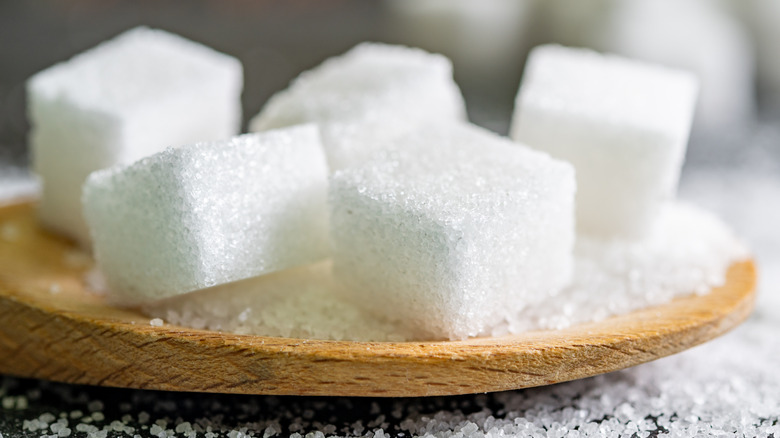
(123, 350)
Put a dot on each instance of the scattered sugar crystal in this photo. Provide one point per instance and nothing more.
(156, 322)
(81, 427)
(688, 251)
(98, 416)
(623, 124)
(147, 90)
(213, 213)
(32, 425)
(47, 417)
(95, 405)
(76, 414)
(58, 426)
(270, 431)
(372, 92)
(184, 427)
(21, 403)
(302, 302)
(454, 229)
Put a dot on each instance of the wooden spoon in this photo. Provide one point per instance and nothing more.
(52, 328)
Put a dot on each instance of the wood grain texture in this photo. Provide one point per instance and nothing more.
(67, 334)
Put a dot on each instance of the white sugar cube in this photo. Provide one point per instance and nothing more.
(210, 213)
(373, 83)
(352, 143)
(623, 124)
(453, 229)
(123, 100)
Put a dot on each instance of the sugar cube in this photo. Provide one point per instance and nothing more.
(125, 99)
(453, 228)
(623, 124)
(377, 84)
(210, 213)
(351, 143)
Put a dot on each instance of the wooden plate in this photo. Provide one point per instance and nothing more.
(51, 328)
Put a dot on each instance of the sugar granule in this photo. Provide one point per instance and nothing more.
(299, 302)
(708, 391)
(156, 322)
(689, 251)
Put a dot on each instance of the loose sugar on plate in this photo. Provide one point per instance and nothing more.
(453, 229)
(209, 213)
(623, 124)
(392, 89)
(125, 99)
(302, 302)
(688, 251)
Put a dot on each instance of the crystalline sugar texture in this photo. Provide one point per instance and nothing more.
(623, 124)
(209, 213)
(393, 89)
(453, 229)
(125, 99)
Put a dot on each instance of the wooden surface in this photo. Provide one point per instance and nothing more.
(51, 328)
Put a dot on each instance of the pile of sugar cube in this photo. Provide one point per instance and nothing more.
(363, 184)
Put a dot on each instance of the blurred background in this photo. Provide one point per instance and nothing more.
(731, 45)
(733, 158)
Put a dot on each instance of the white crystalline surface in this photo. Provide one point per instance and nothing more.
(727, 387)
(453, 229)
(210, 213)
(623, 125)
(391, 89)
(689, 251)
(127, 98)
(302, 302)
(352, 143)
